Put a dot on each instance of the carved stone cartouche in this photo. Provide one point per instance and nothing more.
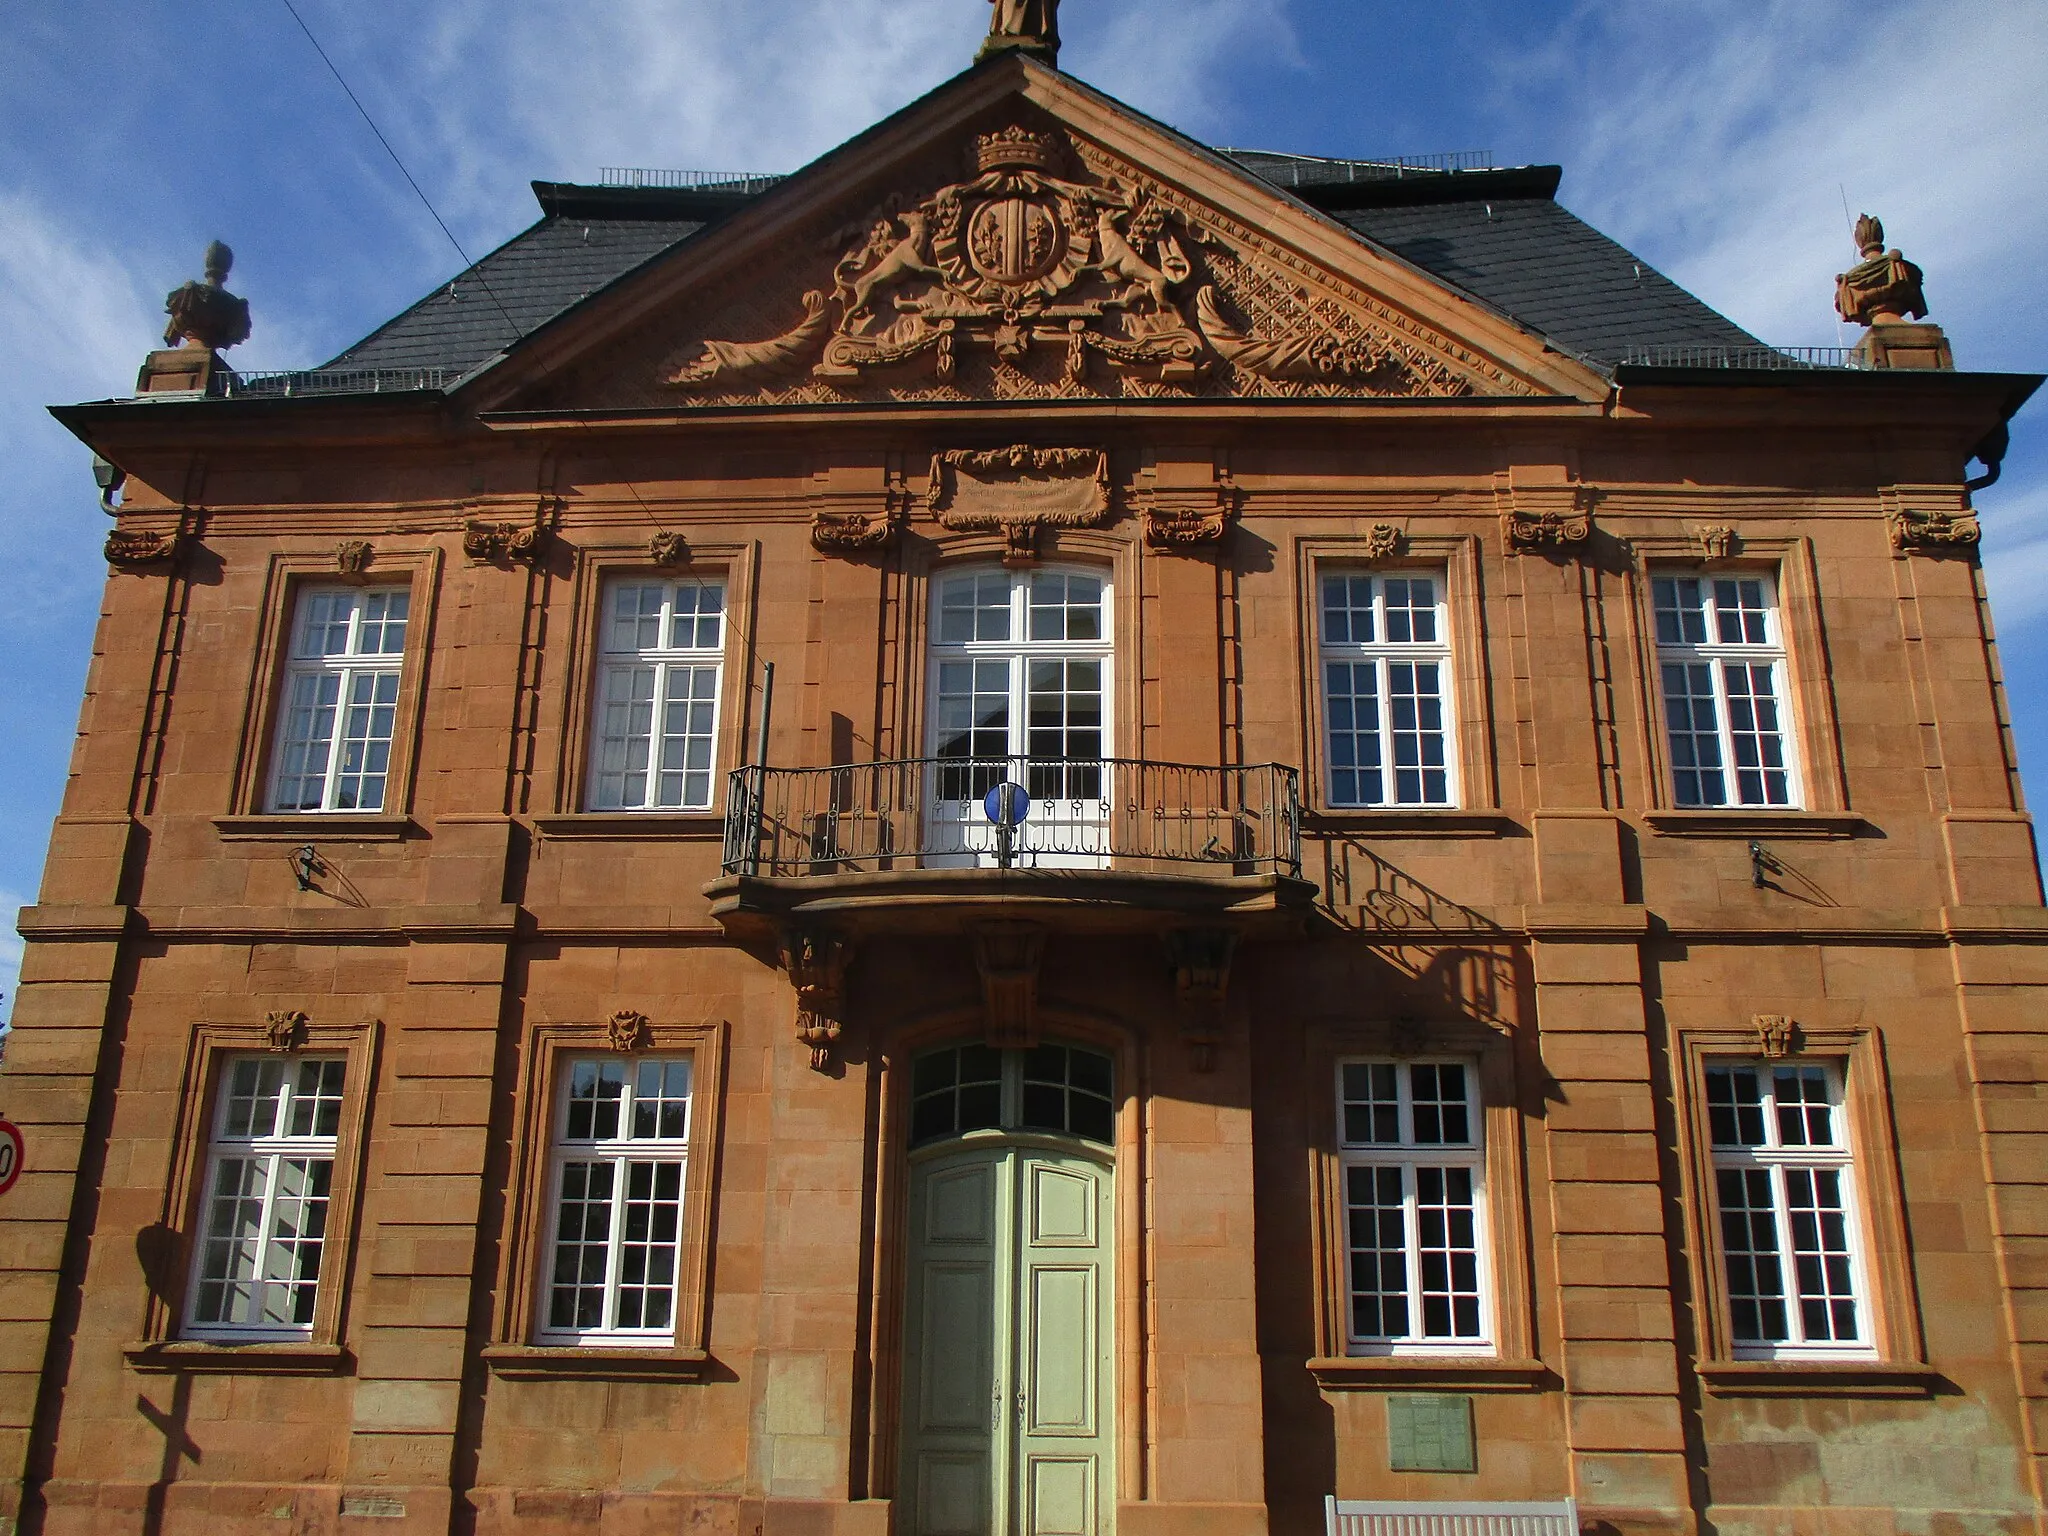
(1018, 490)
(1039, 276)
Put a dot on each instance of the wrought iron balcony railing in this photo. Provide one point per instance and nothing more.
(928, 813)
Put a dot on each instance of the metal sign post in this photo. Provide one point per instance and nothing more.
(1006, 805)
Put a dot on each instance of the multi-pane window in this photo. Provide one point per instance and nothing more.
(1414, 1204)
(1060, 1088)
(1386, 663)
(1721, 659)
(263, 1215)
(1784, 1188)
(655, 743)
(621, 1152)
(340, 704)
(1020, 682)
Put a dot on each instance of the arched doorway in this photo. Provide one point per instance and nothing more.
(1008, 1412)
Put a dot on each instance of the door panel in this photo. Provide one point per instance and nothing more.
(1061, 1496)
(1006, 1357)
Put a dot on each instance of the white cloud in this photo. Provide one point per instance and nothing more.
(1721, 139)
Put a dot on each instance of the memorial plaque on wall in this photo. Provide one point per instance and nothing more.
(1430, 1434)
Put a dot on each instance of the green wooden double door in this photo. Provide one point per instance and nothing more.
(1008, 1413)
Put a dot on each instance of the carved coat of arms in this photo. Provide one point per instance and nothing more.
(1048, 281)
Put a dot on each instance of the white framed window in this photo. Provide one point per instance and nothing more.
(621, 1141)
(660, 671)
(1413, 1169)
(340, 699)
(1021, 683)
(1385, 651)
(263, 1214)
(1784, 1189)
(1721, 662)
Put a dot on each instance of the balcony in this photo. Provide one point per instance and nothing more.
(1107, 844)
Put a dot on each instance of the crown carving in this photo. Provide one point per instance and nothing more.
(1015, 147)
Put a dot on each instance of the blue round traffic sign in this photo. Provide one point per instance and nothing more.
(1007, 804)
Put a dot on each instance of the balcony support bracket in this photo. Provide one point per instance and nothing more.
(1200, 958)
(817, 962)
(1007, 955)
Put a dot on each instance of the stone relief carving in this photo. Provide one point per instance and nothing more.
(1186, 518)
(816, 964)
(134, 550)
(629, 1030)
(1529, 533)
(840, 530)
(1018, 490)
(1776, 1035)
(1381, 541)
(1934, 530)
(1054, 270)
(1716, 543)
(503, 543)
(284, 1029)
(352, 557)
(668, 550)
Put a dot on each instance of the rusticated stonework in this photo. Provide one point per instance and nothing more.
(1056, 270)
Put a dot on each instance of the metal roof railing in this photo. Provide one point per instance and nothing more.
(289, 382)
(1696, 356)
(1292, 170)
(674, 181)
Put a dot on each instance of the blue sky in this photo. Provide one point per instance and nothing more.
(1716, 138)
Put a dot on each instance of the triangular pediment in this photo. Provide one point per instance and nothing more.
(1016, 236)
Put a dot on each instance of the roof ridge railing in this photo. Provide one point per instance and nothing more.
(284, 382)
(635, 176)
(1758, 357)
(1286, 168)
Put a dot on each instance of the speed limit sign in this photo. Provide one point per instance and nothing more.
(11, 1155)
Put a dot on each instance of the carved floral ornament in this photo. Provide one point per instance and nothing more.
(503, 543)
(1934, 530)
(352, 557)
(134, 550)
(629, 1030)
(1054, 271)
(1777, 1036)
(284, 1029)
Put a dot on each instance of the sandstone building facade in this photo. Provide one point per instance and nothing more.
(1513, 967)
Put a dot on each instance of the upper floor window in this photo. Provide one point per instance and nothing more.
(1021, 674)
(1413, 1164)
(1789, 1231)
(269, 1178)
(621, 1150)
(660, 666)
(1386, 663)
(340, 699)
(1721, 656)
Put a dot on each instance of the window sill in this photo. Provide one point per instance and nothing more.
(1462, 1373)
(542, 1362)
(1406, 821)
(315, 827)
(634, 826)
(257, 1358)
(1819, 1378)
(1752, 822)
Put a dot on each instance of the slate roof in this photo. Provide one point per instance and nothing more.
(1497, 235)
(527, 281)
(1552, 271)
